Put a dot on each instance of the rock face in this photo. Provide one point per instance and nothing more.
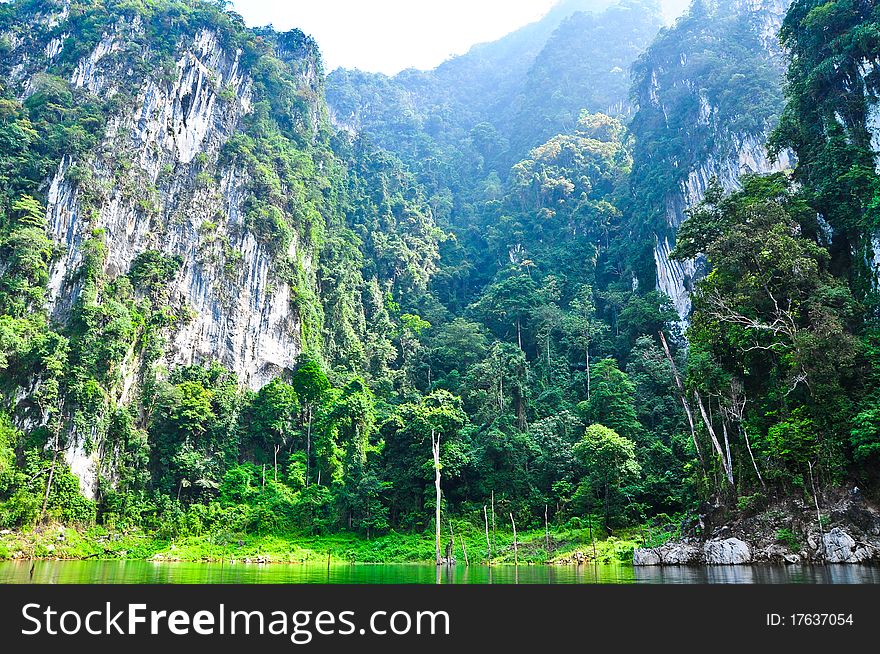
(239, 317)
(713, 147)
(868, 72)
(679, 553)
(730, 551)
(748, 155)
(160, 181)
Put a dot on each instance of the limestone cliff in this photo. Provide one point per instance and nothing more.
(161, 180)
(709, 93)
(150, 162)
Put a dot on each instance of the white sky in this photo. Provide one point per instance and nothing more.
(390, 35)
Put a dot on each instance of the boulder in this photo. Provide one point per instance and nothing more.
(680, 554)
(676, 553)
(646, 556)
(839, 546)
(730, 551)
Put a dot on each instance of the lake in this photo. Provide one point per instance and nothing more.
(148, 572)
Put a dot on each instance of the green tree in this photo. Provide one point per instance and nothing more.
(310, 384)
(609, 464)
(613, 401)
(274, 410)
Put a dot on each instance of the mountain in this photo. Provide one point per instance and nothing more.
(528, 86)
(708, 94)
(194, 208)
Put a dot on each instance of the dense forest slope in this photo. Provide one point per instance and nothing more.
(239, 297)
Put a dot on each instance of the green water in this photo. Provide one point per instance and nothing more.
(147, 572)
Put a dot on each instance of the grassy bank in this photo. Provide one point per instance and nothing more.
(565, 546)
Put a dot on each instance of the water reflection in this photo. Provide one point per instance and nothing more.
(147, 572)
(760, 574)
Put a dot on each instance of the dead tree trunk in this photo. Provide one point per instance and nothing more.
(737, 411)
(587, 351)
(726, 443)
(592, 540)
(464, 551)
(488, 546)
(55, 450)
(751, 454)
(275, 462)
(682, 394)
(515, 545)
(546, 532)
(49, 482)
(308, 446)
(708, 422)
(435, 448)
(494, 542)
(818, 515)
(450, 550)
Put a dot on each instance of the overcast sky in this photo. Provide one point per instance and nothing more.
(390, 35)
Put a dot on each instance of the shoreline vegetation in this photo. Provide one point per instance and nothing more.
(567, 546)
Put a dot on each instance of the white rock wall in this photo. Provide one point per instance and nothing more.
(237, 314)
(735, 155)
(245, 321)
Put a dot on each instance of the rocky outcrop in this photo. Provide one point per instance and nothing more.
(728, 551)
(725, 153)
(868, 72)
(840, 547)
(159, 180)
(785, 533)
(152, 197)
(238, 317)
(748, 155)
(679, 553)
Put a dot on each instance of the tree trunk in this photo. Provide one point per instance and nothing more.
(751, 454)
(494, 542)
(587, 351)
(308, 445)
(592, 541)
(519, 332)
(275, 463)
(515, 544)
(450, 551)
(546, 532)
(818, 515)
(549, 375)
(488, 546)
(49, 482)
(607, 506)
(55, 449)
(464, 551)
(727, 471)
(435, 447)
(726, 443)
(683, 398)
